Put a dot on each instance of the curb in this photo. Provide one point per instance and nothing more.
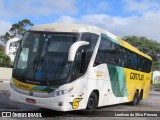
(4, 81)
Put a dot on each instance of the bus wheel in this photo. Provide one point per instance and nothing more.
(136, 98)
(92, 103)
(140, 96)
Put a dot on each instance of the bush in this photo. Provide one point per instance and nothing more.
(5, 60)
(1, 48)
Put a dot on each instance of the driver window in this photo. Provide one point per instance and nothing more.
(77, 62)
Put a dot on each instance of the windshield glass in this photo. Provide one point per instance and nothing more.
(43, 57)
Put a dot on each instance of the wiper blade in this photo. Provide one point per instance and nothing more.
(33, 65)
(27, 70)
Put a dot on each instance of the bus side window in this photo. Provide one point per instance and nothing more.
(149, 64)
(133, 61)
(119, 56)
(84, 54)
(81, 61)
(143, 65)
(125, 58)
(138, 63)
(129, 59)
(113, 54)
(78, 62)
(122, 55)
(104, 52)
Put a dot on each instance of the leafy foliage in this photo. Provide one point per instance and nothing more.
(1, 48)
(5, 60)
(147, 46)
(17, 30)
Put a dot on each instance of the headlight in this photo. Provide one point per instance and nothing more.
(60, 92)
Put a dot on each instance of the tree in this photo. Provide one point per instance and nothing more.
(1, 48)
(5, 37)
(5, 60)
(18, 29)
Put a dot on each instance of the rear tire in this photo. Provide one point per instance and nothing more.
(136, 99)
(140, 97)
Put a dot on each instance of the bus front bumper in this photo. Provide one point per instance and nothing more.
(55, 103)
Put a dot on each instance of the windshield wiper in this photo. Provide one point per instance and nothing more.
(32, 65)
(27, 70)
(42, 57)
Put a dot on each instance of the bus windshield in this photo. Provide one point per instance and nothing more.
(43, 57)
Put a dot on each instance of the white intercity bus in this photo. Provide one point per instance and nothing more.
(67, 67)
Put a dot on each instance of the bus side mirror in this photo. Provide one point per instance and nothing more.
(73, 49)
(8, 44)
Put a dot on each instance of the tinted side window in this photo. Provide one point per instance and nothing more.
(91, 38)
(112, 53)
(103, 54)
(84, 54)
(133, 60)
(149, 64)
(128, 59)
(119, 56)
(141, 65)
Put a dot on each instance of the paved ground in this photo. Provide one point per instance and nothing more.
(4, 86)
(150, 104)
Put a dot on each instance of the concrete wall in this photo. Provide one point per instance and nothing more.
(5, 74)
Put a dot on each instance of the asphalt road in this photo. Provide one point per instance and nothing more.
(151, 104)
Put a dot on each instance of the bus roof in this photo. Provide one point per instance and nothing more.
(62, 27)
(70, 28)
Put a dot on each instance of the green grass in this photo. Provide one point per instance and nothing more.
(158, 84)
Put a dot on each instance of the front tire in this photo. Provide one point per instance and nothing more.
(92, 103)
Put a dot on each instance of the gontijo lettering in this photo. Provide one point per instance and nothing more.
(136, 76)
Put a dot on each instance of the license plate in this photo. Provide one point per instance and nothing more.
(29, 100)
